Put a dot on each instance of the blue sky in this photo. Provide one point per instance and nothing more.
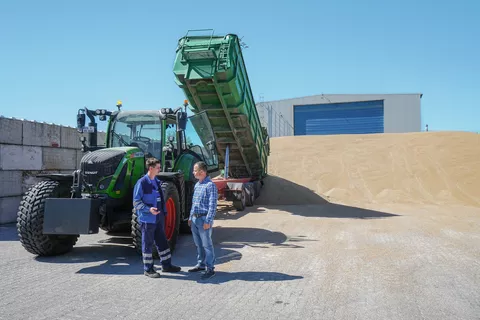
(59, 56)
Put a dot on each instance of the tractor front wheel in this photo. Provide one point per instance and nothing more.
(30, 217)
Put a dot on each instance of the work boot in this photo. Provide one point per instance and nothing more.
(208, 274)
(152, 274)
(171, 268)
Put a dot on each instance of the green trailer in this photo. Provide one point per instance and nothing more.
(211, 72)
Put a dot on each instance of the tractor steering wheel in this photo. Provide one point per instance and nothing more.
(141, 139)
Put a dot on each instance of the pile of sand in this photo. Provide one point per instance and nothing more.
(421, 168)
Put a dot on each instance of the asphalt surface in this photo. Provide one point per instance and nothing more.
(288, 262)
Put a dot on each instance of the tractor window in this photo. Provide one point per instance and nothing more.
(199, 137)
(171, 131)
(121, 135)
(171, 152)
(142, 130)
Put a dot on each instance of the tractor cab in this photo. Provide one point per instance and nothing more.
(165, 134)
(140, 129)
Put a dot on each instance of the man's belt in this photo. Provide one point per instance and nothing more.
(196, 215)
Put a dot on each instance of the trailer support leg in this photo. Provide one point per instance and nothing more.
(227, 161)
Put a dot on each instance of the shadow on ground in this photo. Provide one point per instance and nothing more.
(281, 194)
(118, 257)
(222, 277)
(231, 237)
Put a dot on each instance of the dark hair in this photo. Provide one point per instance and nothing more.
(201, 166)
(151, 162)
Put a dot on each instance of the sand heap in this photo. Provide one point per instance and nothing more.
(422, 168)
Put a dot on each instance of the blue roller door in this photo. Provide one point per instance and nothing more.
(339, 118)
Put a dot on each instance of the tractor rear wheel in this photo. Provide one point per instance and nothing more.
(172, 220)
(30, 217)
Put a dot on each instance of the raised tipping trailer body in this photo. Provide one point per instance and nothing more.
(211, 72)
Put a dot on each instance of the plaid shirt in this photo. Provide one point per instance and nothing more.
(205, 199)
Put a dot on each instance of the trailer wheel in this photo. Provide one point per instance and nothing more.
(30, 217)
(250, 194)
(172, 220)
(240, 199)
(257, 185)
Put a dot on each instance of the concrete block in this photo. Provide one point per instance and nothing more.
(41, 134)
(59, 159)
(10, 183)
(8, 209)
(14, 157)
(11, 131)
(70, 138)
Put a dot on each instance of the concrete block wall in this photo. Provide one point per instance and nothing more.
(28, 148)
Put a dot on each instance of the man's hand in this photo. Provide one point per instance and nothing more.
(154, 211)
(206, 226)
(189, 222)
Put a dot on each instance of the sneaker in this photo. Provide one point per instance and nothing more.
(171, 268)
(208, 274)
(151, 274)
(196, 269)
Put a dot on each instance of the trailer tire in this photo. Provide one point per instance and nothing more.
(170, 193)
(30, 217)
(250, 194)
(257, 186)
(240, 199)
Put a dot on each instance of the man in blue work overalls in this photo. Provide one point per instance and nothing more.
(149, 204)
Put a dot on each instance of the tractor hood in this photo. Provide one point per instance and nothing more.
(101, 165)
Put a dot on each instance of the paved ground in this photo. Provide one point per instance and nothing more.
(289, 262)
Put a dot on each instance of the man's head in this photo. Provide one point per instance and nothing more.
(200, 170)
(153, 166)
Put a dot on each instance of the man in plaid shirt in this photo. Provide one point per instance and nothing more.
(204, 208)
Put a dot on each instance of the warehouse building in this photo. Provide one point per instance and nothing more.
(342, 114)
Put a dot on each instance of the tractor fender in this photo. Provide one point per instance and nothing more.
(60, 177)
(235, 186)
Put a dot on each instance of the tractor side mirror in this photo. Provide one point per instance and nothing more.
(181, 121)
(80, 121)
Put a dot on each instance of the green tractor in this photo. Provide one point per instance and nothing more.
(61, 207)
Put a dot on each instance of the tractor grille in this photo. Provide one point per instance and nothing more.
(98, 164)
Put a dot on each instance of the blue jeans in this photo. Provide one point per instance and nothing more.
(203, 241)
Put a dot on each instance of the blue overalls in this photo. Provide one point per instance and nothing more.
(147, 194)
